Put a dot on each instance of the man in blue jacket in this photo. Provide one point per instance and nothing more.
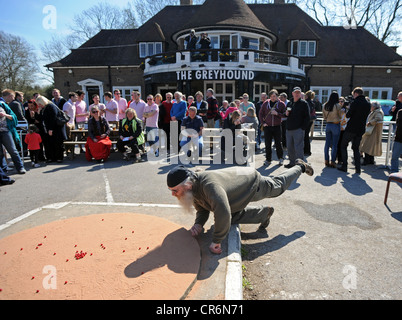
(178, 111)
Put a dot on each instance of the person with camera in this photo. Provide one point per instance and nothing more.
(356, 127)
(298, 114)
(191, 40)
(205, 41)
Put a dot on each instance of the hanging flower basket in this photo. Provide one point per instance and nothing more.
(226, 56)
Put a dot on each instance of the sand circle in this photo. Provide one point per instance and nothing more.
(102, 256)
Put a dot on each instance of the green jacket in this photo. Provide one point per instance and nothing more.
(136, 132)
(223, 192)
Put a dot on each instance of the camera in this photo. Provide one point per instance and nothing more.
(348, 101)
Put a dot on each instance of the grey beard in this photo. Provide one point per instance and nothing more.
(186, 201)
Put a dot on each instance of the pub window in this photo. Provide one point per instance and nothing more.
(323, 93)
(250, 43)
(303, 48)
(150, 48)
(378, 93)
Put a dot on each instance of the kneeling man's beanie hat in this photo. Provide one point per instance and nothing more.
(177, 175)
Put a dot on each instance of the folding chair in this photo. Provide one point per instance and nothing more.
(396, 177)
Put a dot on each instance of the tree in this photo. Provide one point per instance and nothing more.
(380, 17)
(101, 16)
(85, 25)
(19, 62)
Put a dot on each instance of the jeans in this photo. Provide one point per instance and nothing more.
(396, 152)
(332, 134)
(7, 141)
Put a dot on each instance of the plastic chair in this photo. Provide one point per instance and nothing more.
(396, 177)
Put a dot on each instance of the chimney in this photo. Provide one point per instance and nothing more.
(279, 1)
(186, 2)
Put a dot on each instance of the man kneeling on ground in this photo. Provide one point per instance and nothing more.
(226, 193)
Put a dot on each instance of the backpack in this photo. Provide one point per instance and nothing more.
(62, 118)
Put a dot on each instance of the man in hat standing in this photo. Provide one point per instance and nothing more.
(298, 120)
(227, 193)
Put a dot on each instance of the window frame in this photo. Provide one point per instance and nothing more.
(319, 89)
(380, 90)
(144, 49)
(296, 45)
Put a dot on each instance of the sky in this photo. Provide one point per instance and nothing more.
(37, 20)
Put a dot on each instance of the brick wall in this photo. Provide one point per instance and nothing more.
(121, 76)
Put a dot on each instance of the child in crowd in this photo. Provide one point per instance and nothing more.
(33, 140)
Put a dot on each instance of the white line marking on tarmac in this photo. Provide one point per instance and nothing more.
(109, 196)
(57, 206)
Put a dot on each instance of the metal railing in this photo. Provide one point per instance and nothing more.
(221, 55)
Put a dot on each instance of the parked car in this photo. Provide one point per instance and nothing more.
(386, 106)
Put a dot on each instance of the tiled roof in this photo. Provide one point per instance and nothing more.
(336, 45)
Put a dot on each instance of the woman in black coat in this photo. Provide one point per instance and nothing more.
(56, 134)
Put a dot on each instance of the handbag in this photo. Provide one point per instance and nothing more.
(369, 130)
(62, 118)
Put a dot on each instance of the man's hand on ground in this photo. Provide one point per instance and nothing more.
(215, 248)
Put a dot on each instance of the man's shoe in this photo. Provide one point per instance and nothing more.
(265, 224)
(308, 169)
(267, 163)
(11, 181)
(281, 162)
(22, 171)
(288, 166)
(344, 169)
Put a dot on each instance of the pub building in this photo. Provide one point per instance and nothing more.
(253, 48)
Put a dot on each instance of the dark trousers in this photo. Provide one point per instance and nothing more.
(339, 151)
(34, 154)
(133, 144)
(283, 129)
(307, 143)
(166, 128)
(355, 138)
(54, 149)
(274, 132)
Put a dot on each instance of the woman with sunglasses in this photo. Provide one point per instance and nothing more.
(98, 143)
(151, 115)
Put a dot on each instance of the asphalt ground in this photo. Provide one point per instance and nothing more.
(331, 237)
